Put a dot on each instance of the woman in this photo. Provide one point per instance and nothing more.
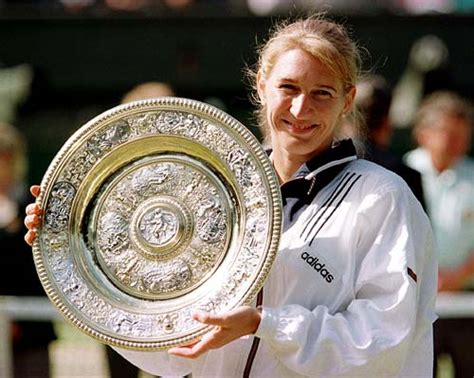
(353, 287)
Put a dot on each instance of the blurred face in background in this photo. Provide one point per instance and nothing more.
(6, 172)
(447, 139)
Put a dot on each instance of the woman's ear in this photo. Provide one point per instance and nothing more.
(349, 99)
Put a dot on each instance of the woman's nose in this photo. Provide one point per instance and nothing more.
(300, 106)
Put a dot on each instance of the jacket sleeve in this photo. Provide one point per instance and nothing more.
(373, 334)
(157, 363)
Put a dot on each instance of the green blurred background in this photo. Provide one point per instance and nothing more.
(83, 64)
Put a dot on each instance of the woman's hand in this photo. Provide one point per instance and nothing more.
(33, 216)
(228, 327)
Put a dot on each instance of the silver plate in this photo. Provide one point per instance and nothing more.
(152, 210)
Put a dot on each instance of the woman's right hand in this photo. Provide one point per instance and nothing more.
(33, 216)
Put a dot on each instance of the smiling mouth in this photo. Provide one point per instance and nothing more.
(300, 128)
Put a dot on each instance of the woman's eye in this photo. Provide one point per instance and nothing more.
(288, 87)
(322, 94)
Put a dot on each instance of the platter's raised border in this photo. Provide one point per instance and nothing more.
(152, 210)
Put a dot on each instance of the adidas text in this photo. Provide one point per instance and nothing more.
(317, 266)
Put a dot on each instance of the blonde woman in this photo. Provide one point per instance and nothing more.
(353, 287)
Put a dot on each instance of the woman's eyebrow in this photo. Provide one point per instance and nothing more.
(326, 87)
(289, 80)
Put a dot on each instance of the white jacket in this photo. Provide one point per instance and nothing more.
(352, 291)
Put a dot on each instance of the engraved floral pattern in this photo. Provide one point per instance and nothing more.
(57, 211)
(165, 186)
(186, 237)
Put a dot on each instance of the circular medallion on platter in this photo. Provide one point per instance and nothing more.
(152, 210)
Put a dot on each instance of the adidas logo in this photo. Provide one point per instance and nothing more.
(317, 266)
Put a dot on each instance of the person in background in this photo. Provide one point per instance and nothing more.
(30, 339)
(373, 100)
(353, 286)
(443, 131)
(147, 90)
(427, 69)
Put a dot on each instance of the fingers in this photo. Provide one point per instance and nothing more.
(32, 221)
(30, 237)
(244, 318)
(228, 327)
(33, 208)
(208, 318)
(186, 351)
(209, 341)
(35, 190)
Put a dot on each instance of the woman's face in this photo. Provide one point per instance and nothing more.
(304, 102)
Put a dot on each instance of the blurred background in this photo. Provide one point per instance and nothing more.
(62, 62)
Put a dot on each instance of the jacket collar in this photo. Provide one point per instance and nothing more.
(314, 175)
(340, 153)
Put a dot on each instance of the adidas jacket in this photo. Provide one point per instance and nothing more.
(352, 291)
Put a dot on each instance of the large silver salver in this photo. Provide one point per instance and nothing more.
(152, 210)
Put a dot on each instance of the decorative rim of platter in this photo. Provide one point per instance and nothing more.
(152, 210)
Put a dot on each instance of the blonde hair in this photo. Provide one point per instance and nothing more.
(324, 39)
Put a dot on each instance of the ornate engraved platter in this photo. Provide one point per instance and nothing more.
(152, 210)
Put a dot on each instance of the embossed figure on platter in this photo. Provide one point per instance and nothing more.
(158, 226)
(145, 207)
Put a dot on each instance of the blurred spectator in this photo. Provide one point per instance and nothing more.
(127, 5)
(74, 6)
(373, 100)
(443, 131)
(15, 85)
(257, 7)
(426, 6)
(149, 89)
(427, 70)
(30, 340)
(269, 7)
(178, 4)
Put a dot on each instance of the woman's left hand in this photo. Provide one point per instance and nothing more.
(228, 327)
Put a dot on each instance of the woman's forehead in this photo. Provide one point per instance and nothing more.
(300, 64)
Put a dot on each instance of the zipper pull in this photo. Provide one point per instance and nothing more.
(311, 186)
